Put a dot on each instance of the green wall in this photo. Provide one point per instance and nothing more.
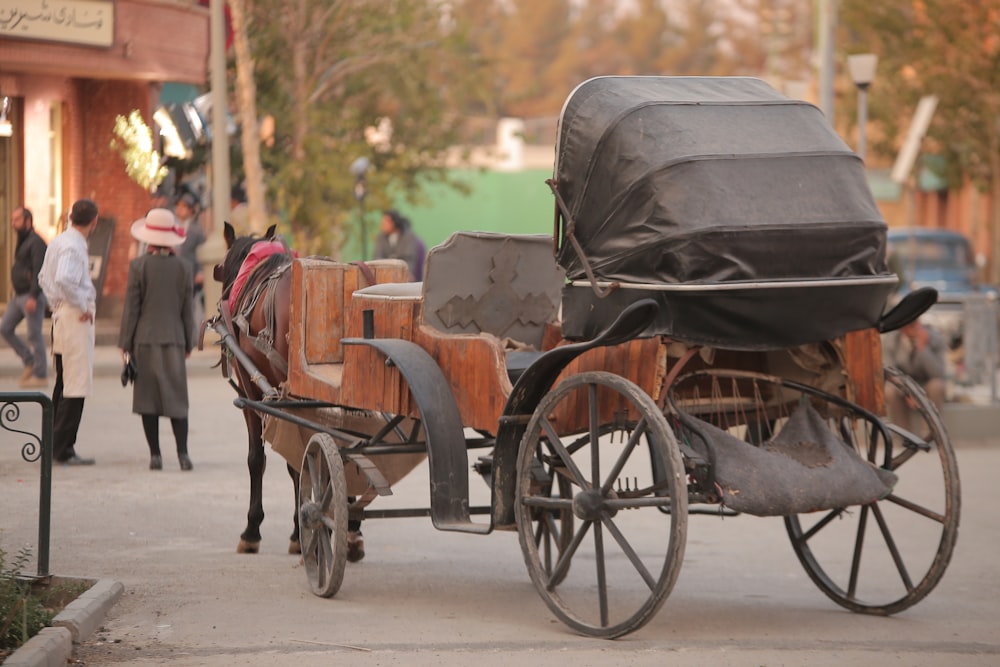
(509, 202)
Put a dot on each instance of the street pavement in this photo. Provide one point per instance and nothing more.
(425, 597)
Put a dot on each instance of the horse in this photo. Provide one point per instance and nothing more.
(257, 319)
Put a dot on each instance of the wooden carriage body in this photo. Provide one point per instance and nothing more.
(330, 300)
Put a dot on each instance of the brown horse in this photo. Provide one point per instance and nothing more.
(255, 323)
(257, 319)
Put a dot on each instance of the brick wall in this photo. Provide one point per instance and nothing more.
(103, 177)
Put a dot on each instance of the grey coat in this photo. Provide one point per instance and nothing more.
(157, 328)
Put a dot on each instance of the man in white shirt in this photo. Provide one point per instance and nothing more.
(65, 279)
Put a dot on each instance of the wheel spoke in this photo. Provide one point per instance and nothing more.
(913, 507)
(565, 457)
(326, 497)
(859, 543)
(630, 552)
(595, 433)
(637, 433)
(635, 503)
(552, 504)
(904, 456)
(602, 582)
(310, 542)
(819, 525)
(314, 472)
(551, 528)
(891, 544)
(567, 556)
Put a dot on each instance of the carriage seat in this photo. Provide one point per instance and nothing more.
(506, 285)
(393, 291)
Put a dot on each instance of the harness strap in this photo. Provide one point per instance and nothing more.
(264, 340)
(366, 271)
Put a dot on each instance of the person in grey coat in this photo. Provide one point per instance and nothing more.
(157, 332)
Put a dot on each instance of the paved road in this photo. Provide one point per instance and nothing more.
(424, 597)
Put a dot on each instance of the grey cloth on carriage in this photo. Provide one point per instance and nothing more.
(804, 468)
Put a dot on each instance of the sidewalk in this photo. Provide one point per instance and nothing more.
(107, 357)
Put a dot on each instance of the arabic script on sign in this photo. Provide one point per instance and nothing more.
(88, 22)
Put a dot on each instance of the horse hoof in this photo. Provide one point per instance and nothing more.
(245, 547)
(294, 547)
(355, 547)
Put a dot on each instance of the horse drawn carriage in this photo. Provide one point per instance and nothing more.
(699, 335)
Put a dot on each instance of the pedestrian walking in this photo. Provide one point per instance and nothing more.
(28, 302)
(157, 332)
(65, 280)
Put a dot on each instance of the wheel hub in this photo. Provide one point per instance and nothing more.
(590, 505)
(310, 516)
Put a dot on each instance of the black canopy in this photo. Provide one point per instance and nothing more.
(724, 197)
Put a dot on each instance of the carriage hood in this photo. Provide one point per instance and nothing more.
(709, 179)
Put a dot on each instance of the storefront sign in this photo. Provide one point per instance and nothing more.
(90, 22)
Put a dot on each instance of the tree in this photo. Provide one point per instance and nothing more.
(246, 94)
(330, 71)
(933, 47)
(534, 32)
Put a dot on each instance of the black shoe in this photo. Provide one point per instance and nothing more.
(78, 461)
(156, 462)
(185, 462)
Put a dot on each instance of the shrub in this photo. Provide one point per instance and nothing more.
(22, 613)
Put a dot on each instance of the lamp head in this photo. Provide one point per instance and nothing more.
(862, 68)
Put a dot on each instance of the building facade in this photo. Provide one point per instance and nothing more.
(68, 69)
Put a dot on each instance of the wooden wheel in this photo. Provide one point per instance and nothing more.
(323, 515)
(886, 556)
(601, 477)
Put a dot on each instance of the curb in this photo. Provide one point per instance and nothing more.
(53, 646)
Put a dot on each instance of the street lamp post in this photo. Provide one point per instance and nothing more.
(862, 69)
(358, 169)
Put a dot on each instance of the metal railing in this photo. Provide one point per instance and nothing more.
(35, 448)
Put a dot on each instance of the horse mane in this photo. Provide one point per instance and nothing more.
(237, 252)
(238, 249)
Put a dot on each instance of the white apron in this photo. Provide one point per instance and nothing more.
(74, 340)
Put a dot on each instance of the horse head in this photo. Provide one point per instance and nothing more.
(237, 249)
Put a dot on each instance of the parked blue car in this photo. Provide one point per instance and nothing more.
(937, 258)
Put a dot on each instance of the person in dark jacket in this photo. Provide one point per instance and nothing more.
(157, 332)
(28, 302)
(396, 240)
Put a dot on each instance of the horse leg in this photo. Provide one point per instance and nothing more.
(355, 542)
(293, 540)
(256, 462)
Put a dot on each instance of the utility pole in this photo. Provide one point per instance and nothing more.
(213, 250)
(826, 29)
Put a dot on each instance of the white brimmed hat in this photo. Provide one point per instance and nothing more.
(158, 228)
